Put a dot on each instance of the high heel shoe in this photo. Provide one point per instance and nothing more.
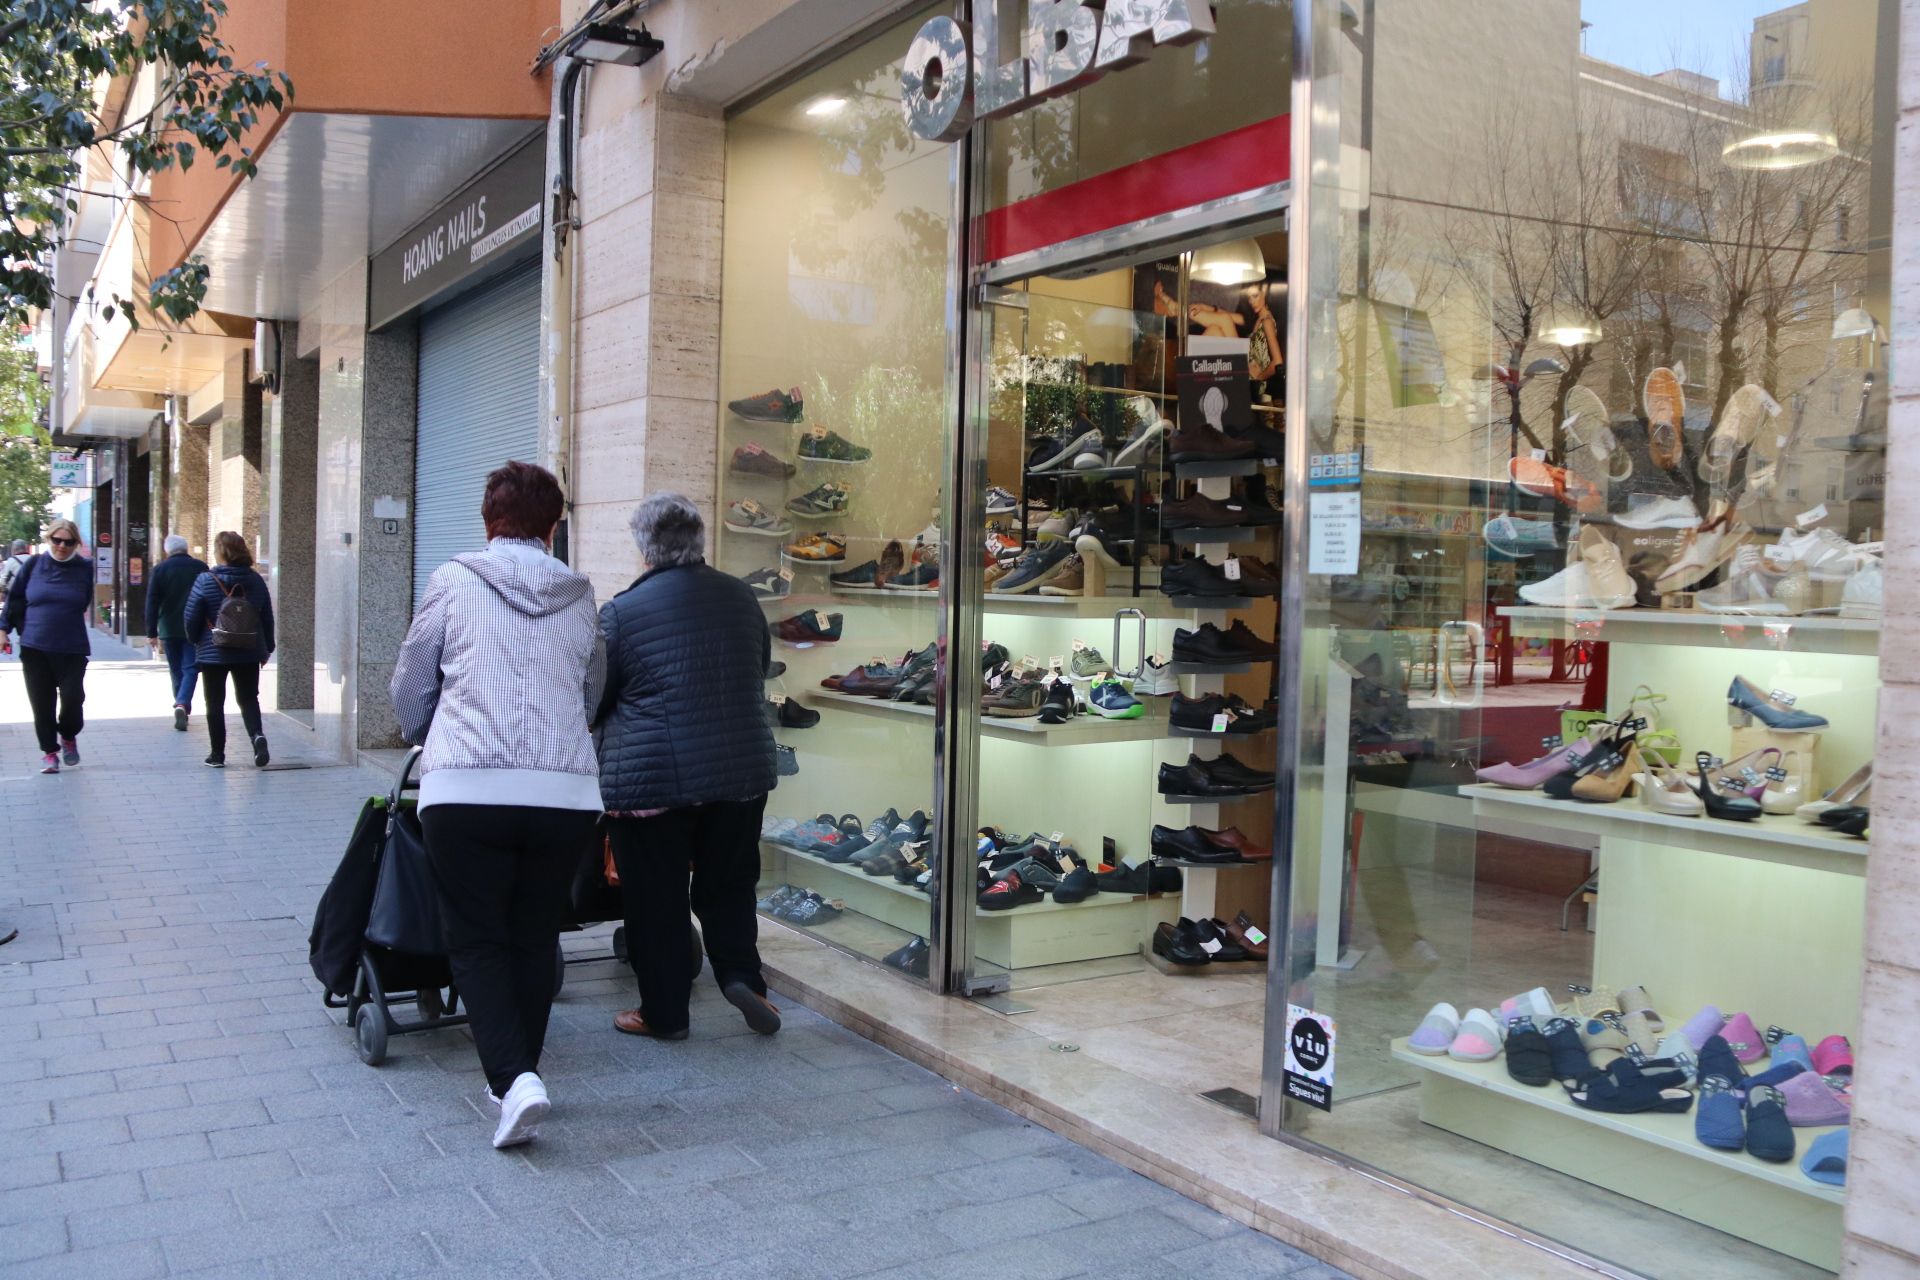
(1604, 740)
(1664, 790)
(1724, 796)
(1853, 791)
(1612, 776)
(1786, 785)
(1563, 759)
(1746, 704)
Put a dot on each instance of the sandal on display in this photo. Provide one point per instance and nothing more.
(1735, 430)
(1478, 1039)
(1611, 777)
(1786, 785)
(1629, 1091)
(1721, 1121)
(1775, 709)
(1609, 757)
(1636, 1000)
(1666, 790)
(1665, 402)
(1853, 791)
(1434, 1036)
(1660, 744)
(1723, 796)
(1529, 1059)
(1769, 1136)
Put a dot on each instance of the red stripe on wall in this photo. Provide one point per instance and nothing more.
(1243, 160)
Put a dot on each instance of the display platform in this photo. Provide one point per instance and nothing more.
(1817, 634)
(1082, 728)
(1651, 1158)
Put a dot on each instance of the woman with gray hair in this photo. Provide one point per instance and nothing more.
(686, 761)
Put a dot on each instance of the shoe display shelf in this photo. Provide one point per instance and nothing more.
(1211, 969)
(1094, 606)
(1135, 475)
(1234, 533)
(1653, 1158)
(1040, 933)
(1082, 728)
(1817, 634)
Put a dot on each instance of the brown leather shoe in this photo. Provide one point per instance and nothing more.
(1201, 512)
(1237, 930)
(630, 1021)
(1234, 838)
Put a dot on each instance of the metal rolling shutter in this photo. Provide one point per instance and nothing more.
(479, 406)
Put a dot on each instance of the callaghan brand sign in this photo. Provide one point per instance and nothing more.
(472, 234)
(949, 79)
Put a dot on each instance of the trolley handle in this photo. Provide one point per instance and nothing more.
(406, 781)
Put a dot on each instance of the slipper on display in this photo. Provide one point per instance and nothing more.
(1535, 1004)
(1701, 1025)
(1791, 1048)
(1826, 1159)
(1769, 1136)
(1674, 1044)
(1716, 1059)
(1744, 1038)
(1720, 1122)
(1568, 1055)
(1478, 1039)
(1588, 1005)
(1603, 1040)
(1434, 1036)
(1833, 1056)
(1627, 1090)
(1529, 1060)
(1810, 1104)
(1773, 1076)
(1635, 999)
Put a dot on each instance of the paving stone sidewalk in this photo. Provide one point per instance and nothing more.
(176, 1100)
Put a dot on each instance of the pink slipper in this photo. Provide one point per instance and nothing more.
(1478, 1039)
(1811, 1103)
(1744, 1038)
(1834, 1054)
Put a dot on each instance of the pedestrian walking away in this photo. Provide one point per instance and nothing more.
(228, 618)
(17, 556)
(686, 762)
(168, 587)
(47, 602)
(495, 680)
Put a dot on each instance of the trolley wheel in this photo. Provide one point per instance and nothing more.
(620, 943)
(429, 1003)
(370, 1034)
(559, 968)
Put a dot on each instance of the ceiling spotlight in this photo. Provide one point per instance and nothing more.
(1235, 262)
(827, 106)
(604, 42)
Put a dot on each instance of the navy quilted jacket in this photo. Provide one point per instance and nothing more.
(683, 720)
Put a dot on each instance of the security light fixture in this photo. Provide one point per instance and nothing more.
(1235, 262)
(605, 42)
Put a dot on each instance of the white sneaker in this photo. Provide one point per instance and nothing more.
(1706, 549)
(1755, 586)
(521, 1111)
(1658, 513)
(1827, 556)
(1156, 680)
(1608, 582)
(1862, 596)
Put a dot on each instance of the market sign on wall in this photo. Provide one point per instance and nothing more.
(948, 80)
(467, 237)
(68, 470)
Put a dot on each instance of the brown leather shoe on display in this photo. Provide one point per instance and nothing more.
(630, 1022)
(1237, 929)
(1233, 838)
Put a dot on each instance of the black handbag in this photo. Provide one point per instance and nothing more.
(406, 901)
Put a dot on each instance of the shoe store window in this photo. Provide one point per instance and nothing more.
(833, 444)
(1588, 668)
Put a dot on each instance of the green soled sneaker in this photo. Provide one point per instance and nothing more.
(1110, 698)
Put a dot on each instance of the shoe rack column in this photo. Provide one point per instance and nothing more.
(1199, 889)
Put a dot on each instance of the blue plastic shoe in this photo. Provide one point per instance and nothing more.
(1746, 704)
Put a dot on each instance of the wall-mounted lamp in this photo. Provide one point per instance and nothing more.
(607, 43)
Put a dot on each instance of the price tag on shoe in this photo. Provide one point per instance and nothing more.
(1030, 662)
(1079, 645)
(1056, 838)
(1209, 945)
(1255, 935)
(1232, 568)
(778, 699)
(818, 433)
(819, 619)
(1807, 519)
(786, 574)
(1056, 663)
(1220, 722)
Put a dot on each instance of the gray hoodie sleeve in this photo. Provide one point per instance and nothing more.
(415, 688)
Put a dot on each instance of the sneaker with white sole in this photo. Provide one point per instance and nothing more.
(1864, 592)
(1645, 511)
(1755, 586)
(1594, 578)
(1156, 680)
(1516, 536)
(521, 1111)
(1828, 557)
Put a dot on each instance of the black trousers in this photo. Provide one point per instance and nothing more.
(246, 692)
(50, 676)
(503, 873)
(722, 842)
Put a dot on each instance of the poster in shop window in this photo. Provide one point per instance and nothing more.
(1254, 312)
(1213, 392)
(1415, 369)
(1307, 1069)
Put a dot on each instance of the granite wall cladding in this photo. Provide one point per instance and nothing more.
(388, 415)
(293, 434)
(340, 316)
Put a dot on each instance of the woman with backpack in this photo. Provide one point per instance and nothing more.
(229, 621)
(47, 605)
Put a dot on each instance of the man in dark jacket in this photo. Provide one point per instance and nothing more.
(686, 761)
(167, 588)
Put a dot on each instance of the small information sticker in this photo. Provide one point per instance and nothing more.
(1307, 1069)
(1333, 527)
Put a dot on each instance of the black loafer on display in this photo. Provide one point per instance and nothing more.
(1179, 944)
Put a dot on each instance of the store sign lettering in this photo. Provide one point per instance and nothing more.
(949, 79)
(430, 249)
